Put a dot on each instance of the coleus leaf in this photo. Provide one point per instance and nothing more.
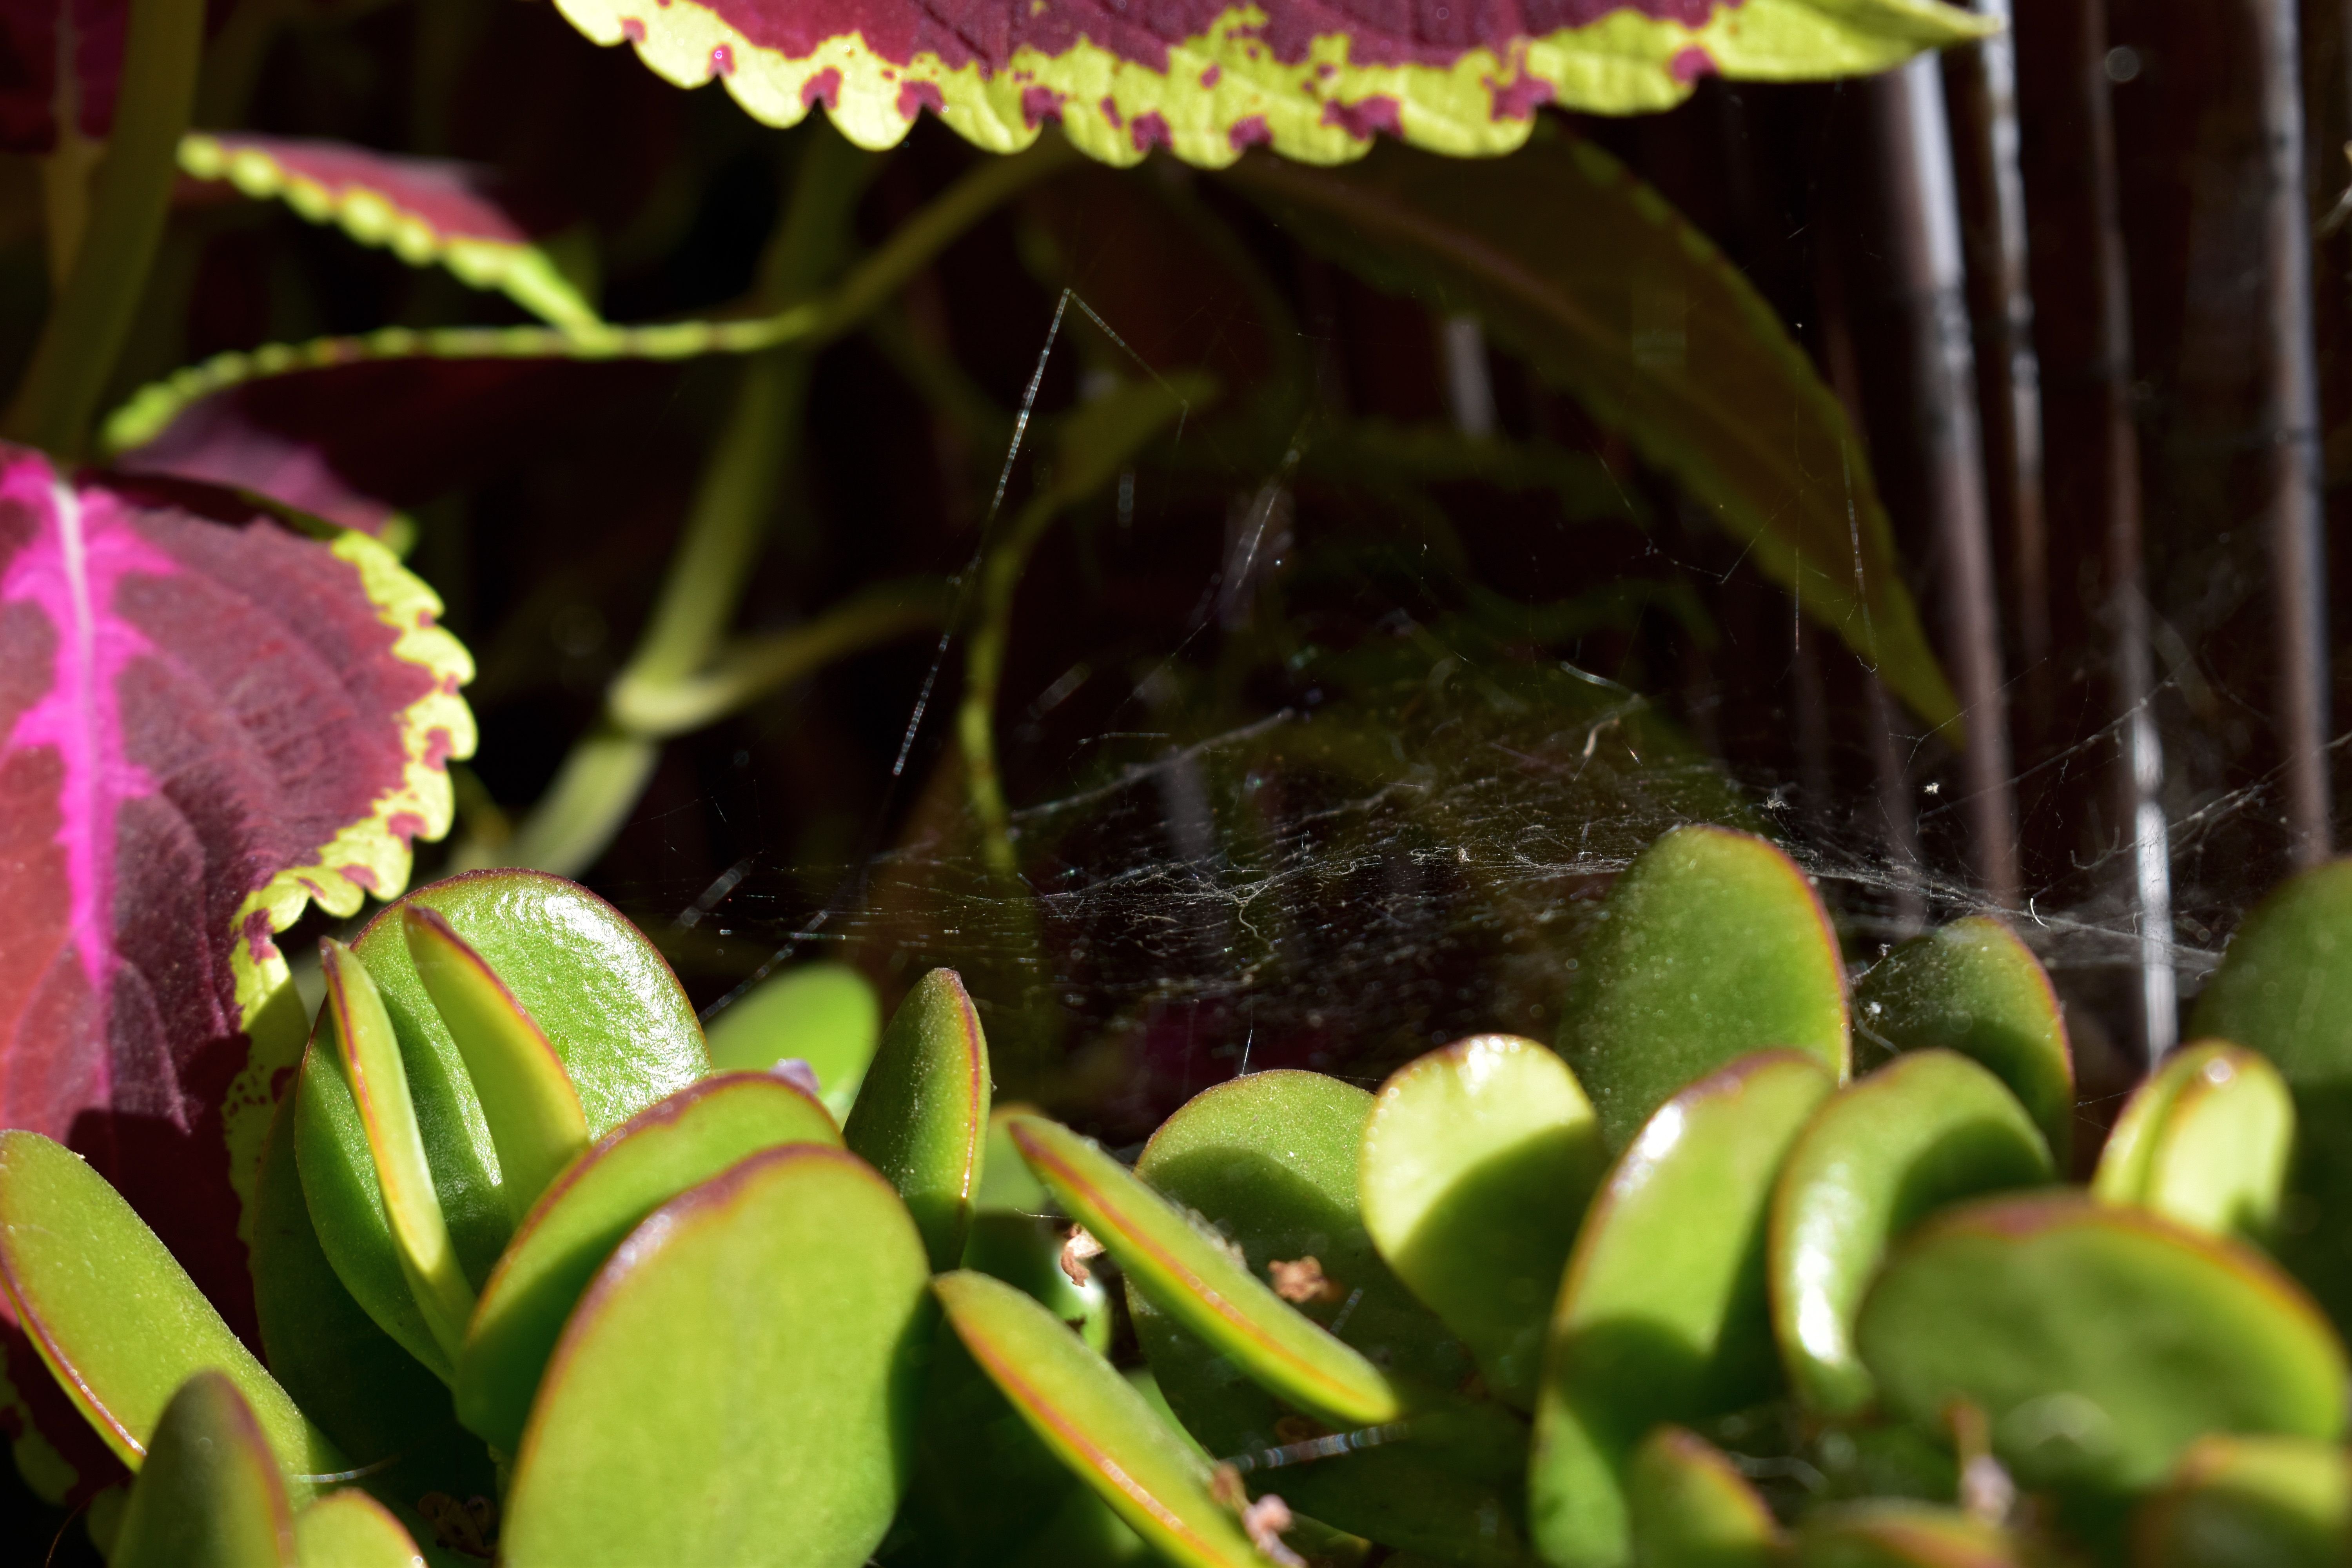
(1314, 78)
(208, 720)
(427, 211)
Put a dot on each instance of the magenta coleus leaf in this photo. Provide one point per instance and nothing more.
(428, 211)
(208, 720)
(36, 100)
(217, 440)
(1315, 79)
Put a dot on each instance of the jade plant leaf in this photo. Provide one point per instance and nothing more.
(2205, 1140)
(921, 1116)
(1618, 300)
(1712, 944)
(1973, 987)
(825, 1014)
(350, 1529)
(119, 1323)
(1691, 1507)
(1094, 1423)
(739, 1382)
(1896, 1533)
(662, 1152)
(427, 211)
(1316, 81)
(2099, 1341)
(1928, 1130)
(600, 992)
(209, 1495)
(1477, 1162)
(1190, 1276)
(2284, 1502)
(1663, 1316)
(534, 1116)
(208, 720)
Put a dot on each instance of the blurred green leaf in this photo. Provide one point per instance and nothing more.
(1691, 1507)
(738, 1385)
(1712, 944)
(2099, 1341)
(1972, 987)
(1899, 1533)
(674, 1145)
(1930, 1128)
(209, 1495)
(1663, 1316)
(2204, 1139)
(921, 1118)
(825, 1014)
(1617, 298)
(350, 1529)
(1477, 1162)
(2283, 1503)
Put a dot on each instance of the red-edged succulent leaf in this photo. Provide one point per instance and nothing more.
(33, 95)
(1316, 79)
(208, 719)
(428, 211)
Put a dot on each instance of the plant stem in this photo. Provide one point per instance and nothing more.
(84, 333)
(983, 668)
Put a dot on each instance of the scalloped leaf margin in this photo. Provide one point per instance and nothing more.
(1208, 80)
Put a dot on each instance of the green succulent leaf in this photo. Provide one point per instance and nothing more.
(1691, 1507)
(825, 1014)
(350, 1529)
(1026, 1251)
(738, 1385)
(2099, 1341)
(209, 1495)
(1973, 987)
(1477, 1162)
(354, 1026)
(1930, 1128)
(1712, 944)
(2284, 1503)
(1094, 1423)
(534, 1116)
(1663, 1314)
(921, 1118)
(1198, 1282)
(117, 1321)
(1206, 80)
(1618, 300)
(662, 1152)
(601, 994)
(1900, 1534)
(2205, 1140)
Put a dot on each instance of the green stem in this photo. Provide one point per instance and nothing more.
(984, 670)
(85, 331)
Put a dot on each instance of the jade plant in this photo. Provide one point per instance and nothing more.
(1750, 1265)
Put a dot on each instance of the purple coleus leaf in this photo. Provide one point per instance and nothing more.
(1314, 78)
(37, 101)
(428, 211)
(208, 720)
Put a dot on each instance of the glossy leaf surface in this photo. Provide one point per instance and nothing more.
(209, 1495)
(1928, 1129)
(1477, 1162)
(534, 1116)
(1691, 1507)
(765, 1325)
(2204, 1139)
(1195, 1280)
(1904, 1534)
(921, 1116)
(2100, 1341)
(825, 1014)
(1099, 1425)
(1712, 944)
(208, 720)
(1616, 299)
(1973, 987)
(1204, 80)
(1664, 1316)
(118, 1321)
(602, 994)
(2272, 1501)
(426, 211)
(350, 1529)
(661, 1152)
